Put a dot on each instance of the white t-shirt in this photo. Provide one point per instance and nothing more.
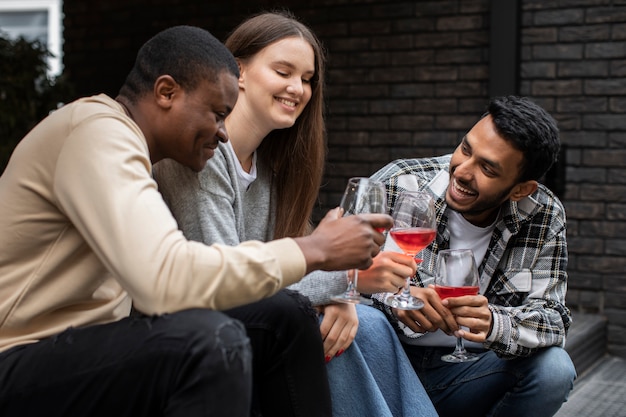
(245, 178)
(463, 235)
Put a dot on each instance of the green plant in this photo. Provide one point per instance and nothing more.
(27, 92)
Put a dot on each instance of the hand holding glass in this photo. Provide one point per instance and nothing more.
(362, 195)
(457, 276)
(414, 227)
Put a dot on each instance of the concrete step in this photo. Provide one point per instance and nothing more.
(586, 341)
(601, 392)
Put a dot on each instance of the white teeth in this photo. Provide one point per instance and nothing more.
(463, 190)
(287, 102)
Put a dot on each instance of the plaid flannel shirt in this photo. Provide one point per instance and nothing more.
(523, 273)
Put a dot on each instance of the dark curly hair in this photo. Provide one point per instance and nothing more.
(530, 129)
(189, 54)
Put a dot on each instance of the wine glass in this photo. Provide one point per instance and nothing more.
(456, 276)
(362, 195)
(414, 227)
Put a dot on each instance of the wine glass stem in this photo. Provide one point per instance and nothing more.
(406, 291)
(460, 347)
(353, 277)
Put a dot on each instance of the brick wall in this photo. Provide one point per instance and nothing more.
(574, 64)
(408, 79)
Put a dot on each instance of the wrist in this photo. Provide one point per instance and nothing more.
(314, 256)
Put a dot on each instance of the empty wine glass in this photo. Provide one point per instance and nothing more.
(362, 195)
(456, 276)
(414, 227)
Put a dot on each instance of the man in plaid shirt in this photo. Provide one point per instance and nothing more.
(488, 199)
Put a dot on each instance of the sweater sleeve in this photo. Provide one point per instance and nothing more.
(105, 188)
(319, 286)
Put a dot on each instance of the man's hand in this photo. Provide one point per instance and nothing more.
(388, 273)
(340, 243)
(471, 311)
(434, 315)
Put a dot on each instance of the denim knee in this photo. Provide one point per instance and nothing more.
(557, 371)
(373, 321)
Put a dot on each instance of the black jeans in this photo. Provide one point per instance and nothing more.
(191, 363)
(289, 371)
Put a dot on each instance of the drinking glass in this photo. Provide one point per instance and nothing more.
(456, 276)
(362, 195)
(414, 227)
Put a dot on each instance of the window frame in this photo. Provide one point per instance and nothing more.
(54, 26)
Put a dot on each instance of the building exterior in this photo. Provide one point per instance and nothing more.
(409, 78)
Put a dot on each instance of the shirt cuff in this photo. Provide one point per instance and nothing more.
(290, 258)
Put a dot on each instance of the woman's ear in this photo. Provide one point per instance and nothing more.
(523, 190)
(242, 71)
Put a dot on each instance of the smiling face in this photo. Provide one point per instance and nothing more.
(275, 83)
(484, 172)
(194, 123)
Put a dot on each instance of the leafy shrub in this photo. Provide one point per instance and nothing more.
(27, 92)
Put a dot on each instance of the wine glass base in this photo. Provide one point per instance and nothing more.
(404, 303)
(352, 299)
(459, 357)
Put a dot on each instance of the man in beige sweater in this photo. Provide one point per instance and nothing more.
(84, 230)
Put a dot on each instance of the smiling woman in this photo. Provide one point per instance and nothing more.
(274, 90)
(262, 185)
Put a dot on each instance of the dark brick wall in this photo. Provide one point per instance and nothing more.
(408, 79)
(573, 62)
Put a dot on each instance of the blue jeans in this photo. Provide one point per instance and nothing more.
(533, 386)
(192, 363)
(373, 377)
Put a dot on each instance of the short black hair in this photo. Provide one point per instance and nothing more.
(189, 54)
(530, 129)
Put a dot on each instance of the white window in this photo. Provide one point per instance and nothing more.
(36, 19)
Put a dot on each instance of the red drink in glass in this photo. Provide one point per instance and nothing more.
(445, 291)
(413, 239)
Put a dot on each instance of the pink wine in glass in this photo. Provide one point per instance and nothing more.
(445, 291)
(413, 239)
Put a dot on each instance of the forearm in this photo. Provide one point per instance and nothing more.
(217, 277)
(521, 331)
(534, 317)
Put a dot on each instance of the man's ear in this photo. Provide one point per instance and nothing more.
(523, 189)
(165, 89)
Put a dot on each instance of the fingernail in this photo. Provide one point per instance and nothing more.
(338, 354)
(327, 358)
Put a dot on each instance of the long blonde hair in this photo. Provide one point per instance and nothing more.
(296, 154)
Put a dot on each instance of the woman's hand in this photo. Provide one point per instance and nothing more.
(388, 273)
(338, 328)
